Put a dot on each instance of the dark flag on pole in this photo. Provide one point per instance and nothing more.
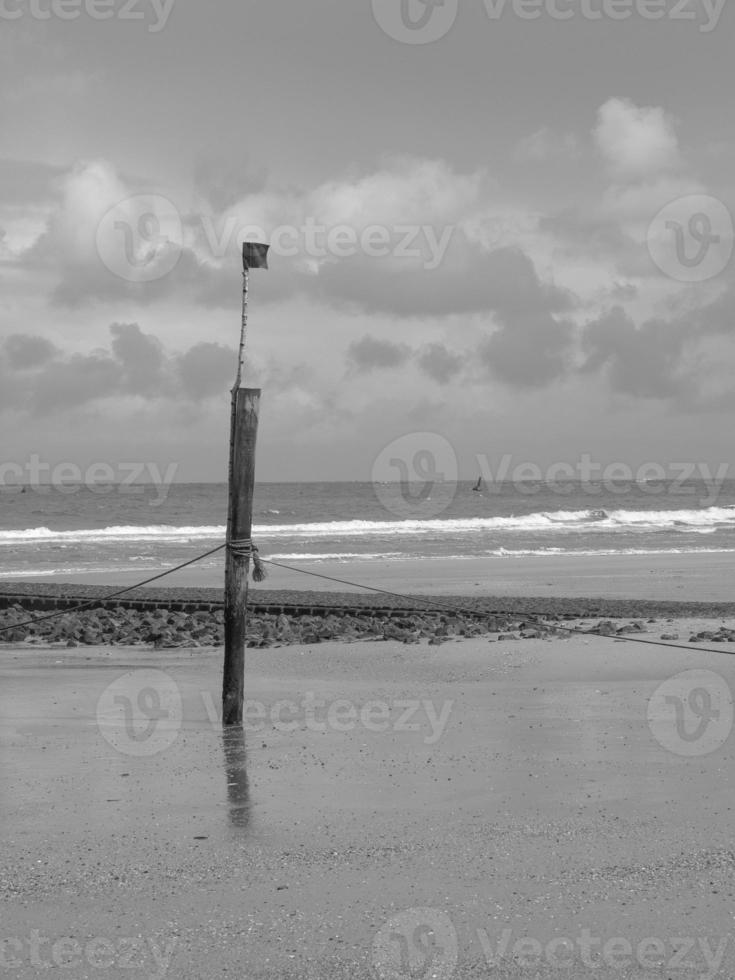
(254, 255)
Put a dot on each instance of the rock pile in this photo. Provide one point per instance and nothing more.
(721, 635)
(164, 628)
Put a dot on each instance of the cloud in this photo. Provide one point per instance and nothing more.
(646, 172)
(588, 232)
(36, 377)
(24, 352)
(205, 369)
(439, 363)
(370, 353)
(141, 357)
(636, 142)
(529, 346)
(436, 231)
(99, 216)
(687, 359)
(644, 362)
(469, 280)
(434, 360)
(530, 350)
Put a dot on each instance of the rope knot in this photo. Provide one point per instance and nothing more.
(244, 548)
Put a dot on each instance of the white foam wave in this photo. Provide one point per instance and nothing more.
(704, 520)
(160, 532)
(337, 556)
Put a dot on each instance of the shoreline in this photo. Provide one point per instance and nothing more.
(411, 601)
(682, 577)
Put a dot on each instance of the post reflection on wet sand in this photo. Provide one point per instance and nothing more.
(238, 791)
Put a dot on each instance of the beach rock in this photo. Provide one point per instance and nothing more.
(604, 628)
(669, 636)
(636, 627)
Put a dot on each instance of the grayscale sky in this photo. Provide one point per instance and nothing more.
(505, 223)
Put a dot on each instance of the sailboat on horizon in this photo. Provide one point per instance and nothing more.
(478, 486)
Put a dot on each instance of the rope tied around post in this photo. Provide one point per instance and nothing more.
(246, 548)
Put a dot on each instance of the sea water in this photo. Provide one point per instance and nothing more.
(66, 530)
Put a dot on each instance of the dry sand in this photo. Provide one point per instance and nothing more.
(546, 805)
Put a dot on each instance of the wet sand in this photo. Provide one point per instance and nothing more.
(702, 577)
(532, 796)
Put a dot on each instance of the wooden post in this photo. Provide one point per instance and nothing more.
(244, 431)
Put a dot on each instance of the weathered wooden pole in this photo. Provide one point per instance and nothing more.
(245, 409)
(243, 437)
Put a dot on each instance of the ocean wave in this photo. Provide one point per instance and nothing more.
(157, 532)
(615, 521)
(702, 521)
(396, 556)
(596, 552)
(340, 556)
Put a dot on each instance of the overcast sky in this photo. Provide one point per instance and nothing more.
(507, 224)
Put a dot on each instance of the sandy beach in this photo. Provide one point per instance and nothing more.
(392, 811)
(690, 577)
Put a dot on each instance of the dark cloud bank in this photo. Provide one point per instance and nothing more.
(37, 377)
